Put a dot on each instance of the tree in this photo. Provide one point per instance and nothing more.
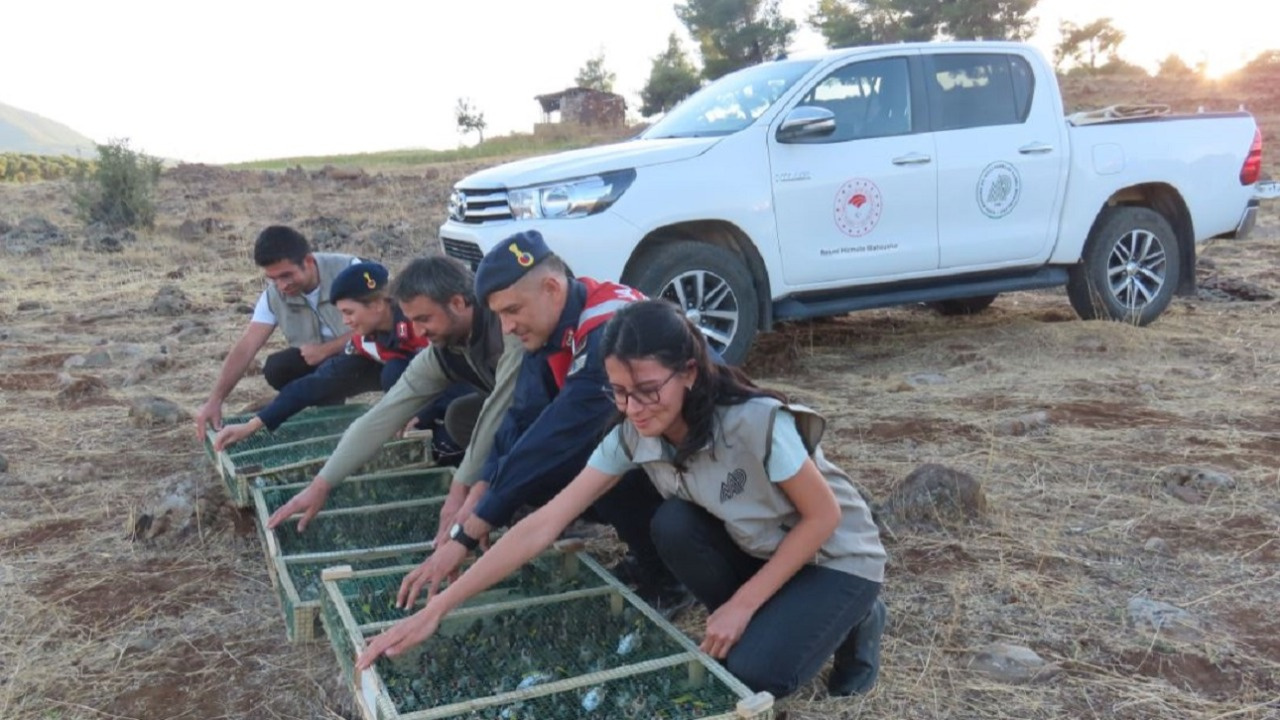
(469, 118)
(1117, 65)
(1087, 44)
(868, 22)
(120, 191)
(671, 79)
(1264, 63)
(593, 75)
(1174, 66)
(733, 34)
(986, 19)
(846, 23)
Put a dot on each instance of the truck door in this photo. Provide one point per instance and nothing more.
(859, 202)
(1001, 159)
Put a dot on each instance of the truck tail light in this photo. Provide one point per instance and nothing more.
(1252, 168)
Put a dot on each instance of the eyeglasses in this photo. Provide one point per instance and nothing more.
(642, 396)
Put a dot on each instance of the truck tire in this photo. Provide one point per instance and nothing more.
(962, 306)
(1130, 267)
(713, 287)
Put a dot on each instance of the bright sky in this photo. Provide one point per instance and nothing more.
(237, 80)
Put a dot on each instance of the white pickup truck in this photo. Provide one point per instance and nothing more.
(942, 173)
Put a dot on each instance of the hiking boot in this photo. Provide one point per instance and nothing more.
(857, 660)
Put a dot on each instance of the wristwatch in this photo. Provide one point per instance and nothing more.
(457, 533)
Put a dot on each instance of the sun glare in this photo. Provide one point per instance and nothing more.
(1216, 43)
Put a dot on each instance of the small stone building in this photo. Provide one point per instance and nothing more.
(583, 107)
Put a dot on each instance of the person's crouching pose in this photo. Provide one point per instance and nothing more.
(772, 538)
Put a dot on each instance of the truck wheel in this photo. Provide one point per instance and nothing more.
(962, 306)
(713, 287)
(1130, 267)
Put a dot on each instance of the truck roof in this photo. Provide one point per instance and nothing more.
(931, 45)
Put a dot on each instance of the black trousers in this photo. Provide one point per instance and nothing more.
(301, 385)
(341, 376)
(461, 416)
(794, 633)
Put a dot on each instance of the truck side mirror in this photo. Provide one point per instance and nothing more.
(806, 121)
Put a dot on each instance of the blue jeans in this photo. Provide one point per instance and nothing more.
(794, 633)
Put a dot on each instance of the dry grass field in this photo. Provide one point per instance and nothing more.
(1119, 465)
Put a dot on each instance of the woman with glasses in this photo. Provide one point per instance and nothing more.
(772, 538)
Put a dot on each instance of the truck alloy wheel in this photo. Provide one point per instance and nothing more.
(711, 285)
(1130, 268)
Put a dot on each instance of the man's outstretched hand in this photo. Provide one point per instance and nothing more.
(308, 502)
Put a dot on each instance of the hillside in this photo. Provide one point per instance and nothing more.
(22, 131)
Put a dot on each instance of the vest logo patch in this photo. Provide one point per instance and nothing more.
(733, 485)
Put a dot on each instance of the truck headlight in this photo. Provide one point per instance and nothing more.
(574, 198)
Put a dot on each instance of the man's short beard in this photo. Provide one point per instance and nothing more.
(458, 331)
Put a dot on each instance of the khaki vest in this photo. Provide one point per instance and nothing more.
(301, 324)
(732, 484)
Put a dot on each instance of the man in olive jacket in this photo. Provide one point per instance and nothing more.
(467, 347)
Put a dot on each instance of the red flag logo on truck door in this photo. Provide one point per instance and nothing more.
(857, 207)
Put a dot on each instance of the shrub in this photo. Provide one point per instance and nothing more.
(120, 190)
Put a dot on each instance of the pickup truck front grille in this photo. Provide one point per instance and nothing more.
(479, 206)
(467, 252)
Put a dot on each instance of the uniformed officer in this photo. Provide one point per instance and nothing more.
(557, 415)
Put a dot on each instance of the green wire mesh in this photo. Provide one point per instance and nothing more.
(305, 575)
(350, 411)
(371, 599)
(293, 432)
(361, 528)
(478, 656)
(273, 456)
(384, 487)
(666, 693)
(311, 422)
(547, 623)
(311, 458)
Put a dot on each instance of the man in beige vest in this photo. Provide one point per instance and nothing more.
(297, 299)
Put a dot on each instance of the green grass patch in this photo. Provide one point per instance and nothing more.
(509, 145)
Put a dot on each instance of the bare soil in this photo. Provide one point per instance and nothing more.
(97, 624)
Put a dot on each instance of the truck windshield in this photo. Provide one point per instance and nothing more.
(731, 103)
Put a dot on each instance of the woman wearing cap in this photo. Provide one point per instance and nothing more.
(771, 537)
(381, 336)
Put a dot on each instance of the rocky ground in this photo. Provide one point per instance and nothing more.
(1113, 552)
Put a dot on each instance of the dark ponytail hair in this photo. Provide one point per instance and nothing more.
(658, 330)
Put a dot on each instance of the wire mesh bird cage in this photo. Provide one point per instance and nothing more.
(311, 422)
(369, 521)
(299, 461)
(559, 639)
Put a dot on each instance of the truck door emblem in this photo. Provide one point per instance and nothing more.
(857, 207)
(999, 187)
(795, 176)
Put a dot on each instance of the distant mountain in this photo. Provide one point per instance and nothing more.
(25, 132)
